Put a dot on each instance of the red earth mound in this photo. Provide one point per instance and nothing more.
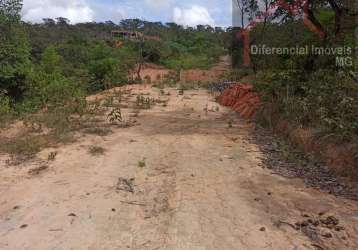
(241, 98)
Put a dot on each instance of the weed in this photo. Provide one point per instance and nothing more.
(108, 102)
(126, 185)
(96, 150)
(98, 131)
(115, 116)
(142, 163)
(230, 123)
(38, 170)
(33, 126)
(52, 156)
(172, 78)
(144, 102)
(93, 109)
(27, 146)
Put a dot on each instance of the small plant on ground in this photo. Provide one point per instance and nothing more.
(144, 102)
(115, 116)
(98, 131)
(108, 102)
(142, 163)
(52, 156)
(230, 123)
(93, 109)
(96, 150)
(33, 126)
(29, 145)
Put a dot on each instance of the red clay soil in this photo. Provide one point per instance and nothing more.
(242, 99)
(199, 75)
(341, 158)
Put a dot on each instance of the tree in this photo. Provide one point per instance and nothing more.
(49, 22)
(131, 24)
(247, 10)
(14, 50)
(10, 9)
(62, 21)
(51, 61)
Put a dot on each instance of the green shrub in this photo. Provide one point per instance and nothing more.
(14, 50)
(5, 108)
(326, 99)
(104, 74)
(108, 67)
(54, 91)
(51, 61)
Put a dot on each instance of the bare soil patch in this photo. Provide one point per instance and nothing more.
(202, 187)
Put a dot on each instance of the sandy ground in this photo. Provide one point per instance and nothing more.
(202, 187)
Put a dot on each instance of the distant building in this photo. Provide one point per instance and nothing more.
(132, 36)
(127, 35)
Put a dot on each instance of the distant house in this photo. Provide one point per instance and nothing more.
(132, 36)
(127, 35)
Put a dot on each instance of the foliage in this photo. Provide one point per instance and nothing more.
(115, 116)
(144, 102)
(322, 100)
(4, 105)
(14, 50)
(51, 61)
(308, 89)
(47, 87)
(46, 69)
(142, 163)
(107, 67)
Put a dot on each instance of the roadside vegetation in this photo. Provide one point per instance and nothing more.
(308, 89)
(55, 64)
(48, 69)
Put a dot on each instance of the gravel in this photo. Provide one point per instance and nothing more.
(287, 161)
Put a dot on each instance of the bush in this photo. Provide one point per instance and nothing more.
(51, 61)
(5, 108)
(14, 50)
(326, 100)
(108, 67)
(55, 91)
(47, 87)
(104, 74)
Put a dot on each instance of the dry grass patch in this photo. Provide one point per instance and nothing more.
(96, 150)
(98, 131)
(27, 146)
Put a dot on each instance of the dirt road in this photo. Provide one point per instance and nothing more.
(180, 179)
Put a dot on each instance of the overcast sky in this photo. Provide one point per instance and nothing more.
(184, 12)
